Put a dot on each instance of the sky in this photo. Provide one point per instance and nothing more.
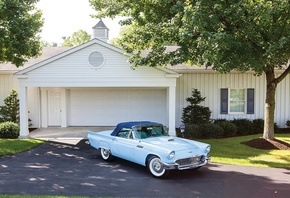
(63, 17)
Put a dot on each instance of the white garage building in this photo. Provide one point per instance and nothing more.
(94, 85)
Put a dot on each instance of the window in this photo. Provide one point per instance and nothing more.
(96, 60)
(237, 101)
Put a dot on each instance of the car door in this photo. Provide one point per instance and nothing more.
(123, 145)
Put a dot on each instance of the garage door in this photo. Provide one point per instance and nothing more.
(107, 107)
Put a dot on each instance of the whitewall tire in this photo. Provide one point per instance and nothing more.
(156, 168)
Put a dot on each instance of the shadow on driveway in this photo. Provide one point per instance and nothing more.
(65, 169)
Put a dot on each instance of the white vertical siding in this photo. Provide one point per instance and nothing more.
(7, 83)
(282, 113)
(209, 84)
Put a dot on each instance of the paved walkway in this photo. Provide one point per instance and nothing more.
(64, 133)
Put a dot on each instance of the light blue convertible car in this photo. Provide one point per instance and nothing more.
(148, 144)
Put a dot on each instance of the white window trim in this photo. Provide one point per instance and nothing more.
(245, 102)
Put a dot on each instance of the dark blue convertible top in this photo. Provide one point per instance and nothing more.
(130, 125)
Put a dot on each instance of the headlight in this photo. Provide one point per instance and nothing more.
(171, 154)
(207, 149)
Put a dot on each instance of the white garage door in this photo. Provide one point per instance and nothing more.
(107, 107)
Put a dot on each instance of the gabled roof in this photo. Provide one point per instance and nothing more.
(50, 54)
(100, 24)
(47, 52)
(68, 52)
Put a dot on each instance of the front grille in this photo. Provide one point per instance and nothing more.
(190, 160)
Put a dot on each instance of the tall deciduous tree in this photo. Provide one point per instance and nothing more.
(77, 38)
(242, 35)
(20, 23)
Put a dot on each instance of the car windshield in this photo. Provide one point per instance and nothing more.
(143, 132)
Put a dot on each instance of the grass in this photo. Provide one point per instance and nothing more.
(36, 196)
(230, 151)
(13, 146)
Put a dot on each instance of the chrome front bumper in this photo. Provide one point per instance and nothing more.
(193, 165)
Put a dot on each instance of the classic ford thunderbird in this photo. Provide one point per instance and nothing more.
(148, 144)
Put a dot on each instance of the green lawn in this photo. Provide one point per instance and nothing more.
(230, 151)
(13, 146)
(29, 196)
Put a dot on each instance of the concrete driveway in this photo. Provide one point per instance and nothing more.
(52, 133)
(74, 168)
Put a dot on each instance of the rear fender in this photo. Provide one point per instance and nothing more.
(104, 145)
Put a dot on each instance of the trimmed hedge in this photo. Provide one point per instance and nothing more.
(229, 128)
(225, 128)
(258, 126)
(244, 126)
(210, 130)
(206, 130)
(9, 130)
(192, 131)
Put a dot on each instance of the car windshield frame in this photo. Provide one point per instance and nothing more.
(148, 131)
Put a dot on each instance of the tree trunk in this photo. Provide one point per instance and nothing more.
(270, 105)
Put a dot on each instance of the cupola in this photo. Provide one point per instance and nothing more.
(100, 31)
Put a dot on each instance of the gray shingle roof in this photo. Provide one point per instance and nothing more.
(47, 52)
(100, 24)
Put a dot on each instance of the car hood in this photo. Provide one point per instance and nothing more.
(174, 143)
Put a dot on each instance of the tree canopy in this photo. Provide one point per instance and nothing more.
(226, 35)
(20, 23)
(243, 35)
(77, 38)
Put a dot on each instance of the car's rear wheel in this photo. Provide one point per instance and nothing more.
(156, 168)
(106, 154)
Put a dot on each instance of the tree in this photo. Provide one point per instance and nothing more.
(20, 23)
(76, 39)
(10, 111)
(249, 35)
(195, 113)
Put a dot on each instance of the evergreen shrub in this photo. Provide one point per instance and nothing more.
(258, 126)
(192, 131)
(244, 126)
(211, 130)
(9, 130)
(230, 129)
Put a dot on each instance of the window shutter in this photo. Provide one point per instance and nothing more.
(224, 101)
(250, 101)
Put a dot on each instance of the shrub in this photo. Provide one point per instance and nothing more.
(288, 123)
(192, 131)
(9, 130)
(244, 126)
(277, 129)
(195, 113)
(229, 128)
(258, 126)
(216, 121)
(10, 111)
(210, 130)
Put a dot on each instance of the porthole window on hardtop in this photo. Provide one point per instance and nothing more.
(96, 60)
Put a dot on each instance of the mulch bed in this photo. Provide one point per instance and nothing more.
(261, 143)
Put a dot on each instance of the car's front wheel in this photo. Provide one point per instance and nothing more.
(156, 168)
(106, 154)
